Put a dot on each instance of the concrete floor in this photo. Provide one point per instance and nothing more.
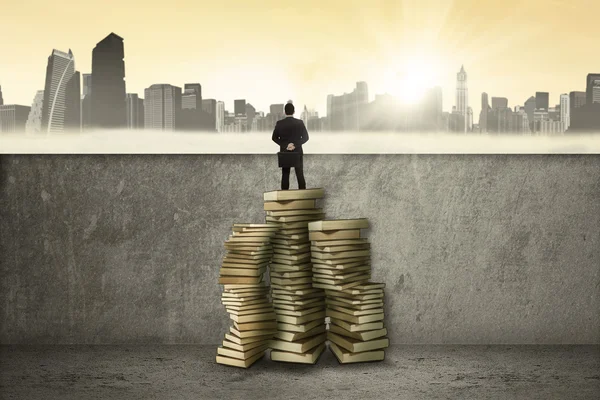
(409, 372)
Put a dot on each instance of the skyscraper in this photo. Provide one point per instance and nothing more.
(499, 103)
(577, 99)
(483, 114)
(592, 89)
(565, 110)
(61, 104)
(529, 107)
(161, 107)
(13, 118)
(209, 108)
(347, 112)
(86, 102)
(34, 120)
(192, 96)
(239, 107)
(542, 100)
(108, 83)
(220, 117)
(462, 95)
(1, 99)
(135, 111)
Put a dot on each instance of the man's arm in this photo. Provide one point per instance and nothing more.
(275, 136)
(303, 134)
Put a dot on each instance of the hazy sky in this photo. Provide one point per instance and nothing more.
(271, 51)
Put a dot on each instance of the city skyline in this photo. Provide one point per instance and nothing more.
(508, 51)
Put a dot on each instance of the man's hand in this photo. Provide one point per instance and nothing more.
(291, 147)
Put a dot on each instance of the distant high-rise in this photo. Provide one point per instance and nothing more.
(220, 117)
(13, 118)
(565, 110)
(239, 107)
(1, 99)
(34, 120)
(542, 100)
(192, 96)
(86, 102)
(592, 89)
(162, 105)
(499, 103)
(577, 99)
(529, 107)
(483, 114)
(250, 116)
(462, 96)
(347, 112)
(61, 104)
(209, 108)
(135, 111)
(108, 83)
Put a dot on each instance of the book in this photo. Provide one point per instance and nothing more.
(300, 346)
(309, 357)
(354, 319)
(241, 355)
(255, 326)
(300, 328)
(333, 235)
(339, 224)
(242, 319)
(289, 205)
(251, 339)
(297, 194)
(295, 336)
(363, 336)
(346, 357)
(234, 362)
(357, 346)
(342, 254)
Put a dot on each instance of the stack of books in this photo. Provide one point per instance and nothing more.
(342, 266)
(299, 308)
(246, 294)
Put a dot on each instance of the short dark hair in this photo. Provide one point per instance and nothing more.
(289, 109)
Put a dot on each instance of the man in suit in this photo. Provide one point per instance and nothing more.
(290, 134)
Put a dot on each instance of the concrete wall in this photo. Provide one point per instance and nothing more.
(126, 249)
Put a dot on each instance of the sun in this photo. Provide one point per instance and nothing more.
(409, 81)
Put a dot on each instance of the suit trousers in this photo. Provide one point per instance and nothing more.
(285, 177)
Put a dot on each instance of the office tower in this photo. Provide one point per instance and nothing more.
(192, 96)
(483, 114)
(61, 104)
(13, 118)
(209, 108)
(239, 107)
(462, 95)
(161, 107)
(347, 112)
(220, 117)
(250, 115)
(86, 102)
(592, 89)
(469, 119)
(518, 122)
(135, 111)
(1, 99)
(108, 84)
(499, 102)
(576, 100)
(529, 107)
(542, 100)
(565, 110)
(34, 119)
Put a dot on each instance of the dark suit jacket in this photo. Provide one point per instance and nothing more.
(290, 130)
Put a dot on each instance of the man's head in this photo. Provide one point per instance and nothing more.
(289, 109)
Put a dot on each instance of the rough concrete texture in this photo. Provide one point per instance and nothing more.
(409, 372)
(125, 249)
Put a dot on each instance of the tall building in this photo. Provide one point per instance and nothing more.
(592, 89)
(162, 105)
(348, 111)
(61, 104)
(220, 116)
(565, 110)
(529, 107)
(239, 107)
(483, 114)
(34, 119)
(577, 99)
(86, 102)
(135, 111)
(462, 96)
(108, 84)
(1, 99)
(499, 102)
(209, 107)
(13, 118)
(542, 100)
(192, 96)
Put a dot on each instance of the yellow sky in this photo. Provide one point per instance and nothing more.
(268, 52)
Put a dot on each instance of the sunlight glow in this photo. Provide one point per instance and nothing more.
(410, 80)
